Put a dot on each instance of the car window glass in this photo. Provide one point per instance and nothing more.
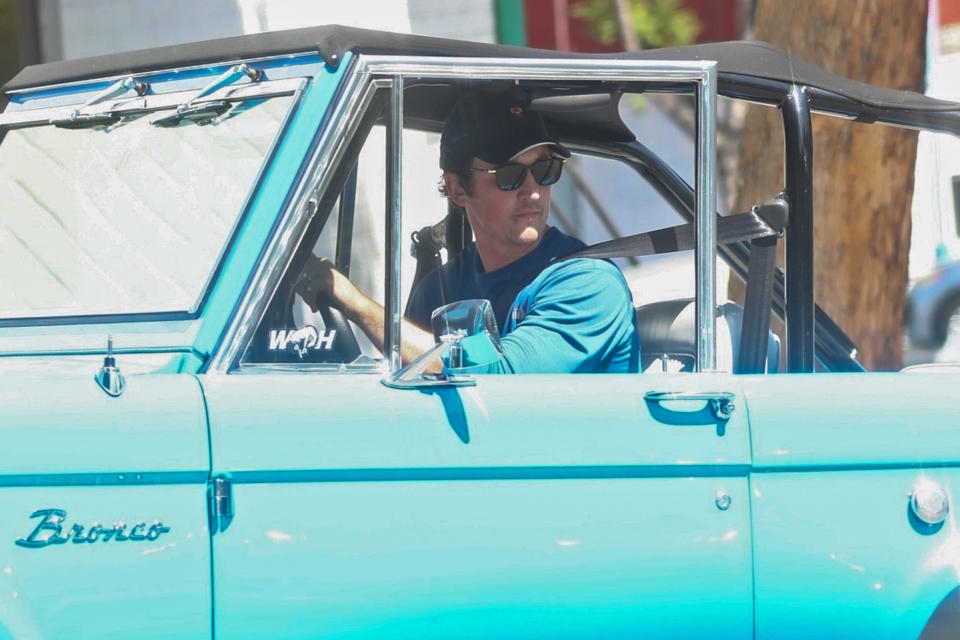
(128, 219)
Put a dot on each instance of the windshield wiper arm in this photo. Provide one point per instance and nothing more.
(189, 110)
(78, 120)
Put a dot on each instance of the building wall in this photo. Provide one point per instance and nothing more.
(79, 28)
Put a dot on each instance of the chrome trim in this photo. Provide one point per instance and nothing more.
(53, 523)
(721, 403)
(722, 500)
(393, 231)
(377, 367)
(265, 89)
(539, 68)
(344, 119)
(929, 502)
(109, 377)
(704, 73)
(115, 90)
(705, 253)
(153, 73)
(222, 81)
(220, 493)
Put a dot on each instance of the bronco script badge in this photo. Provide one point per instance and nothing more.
(52, 530)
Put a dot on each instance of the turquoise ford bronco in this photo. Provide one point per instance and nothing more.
(191, 450)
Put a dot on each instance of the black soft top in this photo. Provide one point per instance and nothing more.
(750, 70)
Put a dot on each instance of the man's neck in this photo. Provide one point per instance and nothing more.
(494, 258)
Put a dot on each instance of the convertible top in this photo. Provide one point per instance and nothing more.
(750, 70)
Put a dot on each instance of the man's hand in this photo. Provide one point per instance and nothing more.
(315, 279)
(320, 278)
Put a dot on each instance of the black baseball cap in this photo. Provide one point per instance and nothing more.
(493, 128)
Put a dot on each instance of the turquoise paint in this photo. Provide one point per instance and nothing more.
(282, 173)
(836, 556)
(147, 589)
(846, 421)
(157, 425)
(141, 457)
(475, 513)
(532, 559)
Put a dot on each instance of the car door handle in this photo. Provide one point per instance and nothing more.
(720, 402)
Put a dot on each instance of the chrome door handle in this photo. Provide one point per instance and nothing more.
(720, 402)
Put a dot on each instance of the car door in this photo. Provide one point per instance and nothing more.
(538, 505)
(104, 508)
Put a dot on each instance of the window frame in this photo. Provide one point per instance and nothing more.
(370, 74)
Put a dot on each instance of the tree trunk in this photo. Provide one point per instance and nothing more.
(863, 174)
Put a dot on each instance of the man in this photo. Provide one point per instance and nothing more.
(555, 315)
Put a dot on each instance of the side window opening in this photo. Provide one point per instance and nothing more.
(349, 230)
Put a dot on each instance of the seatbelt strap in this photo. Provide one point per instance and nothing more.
(756, 306)
(768, 219)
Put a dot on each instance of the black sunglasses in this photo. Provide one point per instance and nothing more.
(511, 175)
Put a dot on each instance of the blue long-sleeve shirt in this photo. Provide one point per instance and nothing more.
(575, 316)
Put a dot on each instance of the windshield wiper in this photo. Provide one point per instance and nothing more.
(209, 110)
(78, 120)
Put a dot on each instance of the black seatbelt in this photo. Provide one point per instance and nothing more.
(767, 219)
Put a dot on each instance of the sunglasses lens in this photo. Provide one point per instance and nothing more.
(510, 176)
(547, 171)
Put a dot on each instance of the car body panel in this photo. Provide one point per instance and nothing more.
(461, 513)
(99, 461)
(830, 497)
(840, 543)
(849, 421)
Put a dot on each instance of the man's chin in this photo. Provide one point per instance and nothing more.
(530, 235)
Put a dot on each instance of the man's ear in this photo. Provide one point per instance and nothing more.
(455, 190)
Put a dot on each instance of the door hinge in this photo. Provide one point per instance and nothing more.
(220, 503)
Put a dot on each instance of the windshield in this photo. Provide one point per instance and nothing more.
(129, 218)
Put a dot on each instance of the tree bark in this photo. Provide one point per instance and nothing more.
(863, 174)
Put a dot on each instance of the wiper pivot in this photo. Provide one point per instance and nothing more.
(78, 120)
(204, 112)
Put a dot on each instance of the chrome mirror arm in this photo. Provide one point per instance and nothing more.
(412, 376)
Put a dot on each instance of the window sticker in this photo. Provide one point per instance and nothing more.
(301, 341)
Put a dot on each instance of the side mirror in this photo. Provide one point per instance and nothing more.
(467, 337)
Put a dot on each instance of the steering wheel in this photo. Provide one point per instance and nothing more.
(345, 343)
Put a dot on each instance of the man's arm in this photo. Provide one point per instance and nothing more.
(577, 317)
(320, 276)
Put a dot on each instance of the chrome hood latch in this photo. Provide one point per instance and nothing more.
(109, 377)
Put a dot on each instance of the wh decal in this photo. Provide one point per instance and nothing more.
(301, 341)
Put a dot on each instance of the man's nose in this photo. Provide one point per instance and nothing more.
(529, 187)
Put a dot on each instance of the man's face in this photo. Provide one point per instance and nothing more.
(506, 224)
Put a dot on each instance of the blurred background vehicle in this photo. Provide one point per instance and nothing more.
(933, 312)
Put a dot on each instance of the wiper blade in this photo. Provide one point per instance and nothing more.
(205, 112)
(86, 120)
(78, 120)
